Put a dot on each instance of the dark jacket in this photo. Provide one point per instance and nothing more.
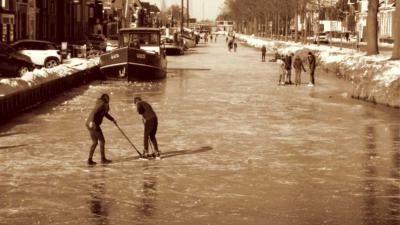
(145, 109)
(263, 50)
(298, 64)
(99, 112)
(311, 62)
(288, 62)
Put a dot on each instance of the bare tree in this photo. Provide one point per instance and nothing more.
(372, 27)
(396, 31)
(250, 14)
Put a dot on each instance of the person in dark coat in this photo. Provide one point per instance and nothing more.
(288, 66)
(347, 35)
(312, 65)
(263, 51)
(93, 123)
(230, 45)
(150, 126)
(298, 66)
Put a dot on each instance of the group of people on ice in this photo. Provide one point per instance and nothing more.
(232, 44)
(101, 110)
(289, 62)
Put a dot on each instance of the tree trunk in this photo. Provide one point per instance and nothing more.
(286, 28)
(255, 26)
(372, 28)
(278, 30)
(305, 27)
(396, 31)
(296, 22)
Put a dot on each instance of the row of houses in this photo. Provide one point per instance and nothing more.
(69, 20)
(355, 20)
(385, 19)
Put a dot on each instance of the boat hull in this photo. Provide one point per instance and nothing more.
(174, 50)
(133, 64)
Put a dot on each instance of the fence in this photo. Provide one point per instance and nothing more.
(15, 103)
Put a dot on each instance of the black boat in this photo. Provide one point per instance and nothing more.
(139, 56)
(173, 42)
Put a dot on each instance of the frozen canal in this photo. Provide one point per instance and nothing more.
(238, 149)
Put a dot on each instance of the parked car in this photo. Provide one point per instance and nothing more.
(13, 63)
(42, 53)
(322, 38)
(97, 42)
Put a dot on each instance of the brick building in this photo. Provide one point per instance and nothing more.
(69, 20)
(18, 19)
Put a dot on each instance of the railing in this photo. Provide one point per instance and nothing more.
(15, 103)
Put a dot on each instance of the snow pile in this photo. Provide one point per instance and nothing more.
(374, 78)
(39, 76)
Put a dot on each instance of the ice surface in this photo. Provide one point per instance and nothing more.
(238, 150)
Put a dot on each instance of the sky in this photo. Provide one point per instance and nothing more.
(211, 7)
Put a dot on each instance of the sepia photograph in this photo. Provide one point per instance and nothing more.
(200, 112)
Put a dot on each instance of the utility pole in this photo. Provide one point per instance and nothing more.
(181, 16)
(187, 12)
(203, 10)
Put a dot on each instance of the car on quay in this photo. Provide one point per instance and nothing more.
(13, 63)
(42, 53)
(97, 42)
(322, 37)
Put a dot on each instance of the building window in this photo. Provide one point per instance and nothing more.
(52, 29)
(91, 12)
(52, 7)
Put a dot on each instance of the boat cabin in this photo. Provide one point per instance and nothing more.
(148, 39)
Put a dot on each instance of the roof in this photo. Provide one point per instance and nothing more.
(154, 8)
(31, 40)
(145, 5)
(141, 29)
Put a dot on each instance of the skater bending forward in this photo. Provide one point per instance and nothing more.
(150, 126)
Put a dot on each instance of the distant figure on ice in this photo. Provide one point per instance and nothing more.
(150, 122)
(298, 66)
(235, 46)
(211, 38)
(282, 73)
(288, 66)
(226, 39)
(263, 51)
(276, 56)
(230, 45)
(197, 39)
(312, 65)
(93, 123)
(347, 35)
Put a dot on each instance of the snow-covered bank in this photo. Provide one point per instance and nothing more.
(374, 78)
(39, 76)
